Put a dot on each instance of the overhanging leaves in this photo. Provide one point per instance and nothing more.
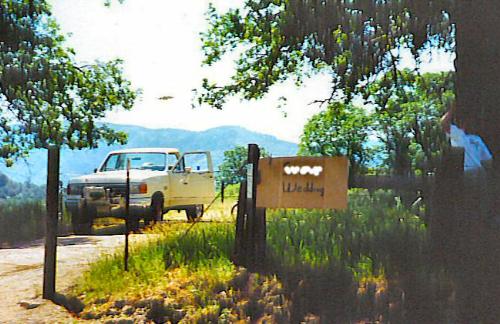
(352, 40)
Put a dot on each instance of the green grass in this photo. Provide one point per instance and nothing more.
(203, 247)
(375, 234)
(375, 243)
(343, 265)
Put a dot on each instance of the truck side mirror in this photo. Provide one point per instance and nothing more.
(95, 170)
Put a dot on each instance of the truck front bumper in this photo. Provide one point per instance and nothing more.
(109, 207)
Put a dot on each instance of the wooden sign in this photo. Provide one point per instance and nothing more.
(303, 182)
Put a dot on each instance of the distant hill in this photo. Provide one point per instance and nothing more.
(12, 189)
(217, 140)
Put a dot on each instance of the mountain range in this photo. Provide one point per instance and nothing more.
(78, 162)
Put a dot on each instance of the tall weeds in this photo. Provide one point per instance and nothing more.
(21, 220)
(202, 248)
(372, 260)
(368, 263)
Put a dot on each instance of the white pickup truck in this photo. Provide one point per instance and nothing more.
(161, 179)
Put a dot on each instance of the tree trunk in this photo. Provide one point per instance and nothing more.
(478, 109)
(478, 69)
(402, 163)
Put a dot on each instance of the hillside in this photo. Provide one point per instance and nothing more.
(12, 189)
(217, 140)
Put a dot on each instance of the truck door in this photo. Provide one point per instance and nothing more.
(192, 180)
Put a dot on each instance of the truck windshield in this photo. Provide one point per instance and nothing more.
(140, 161)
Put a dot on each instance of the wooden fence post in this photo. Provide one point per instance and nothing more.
(250, 240)
(260, 236)
(447, 198)
(52, 205)
(256, 217)
(222, 189)
(240, 249)
(127, 215)
(252, 172)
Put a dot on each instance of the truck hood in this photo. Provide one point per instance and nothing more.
(112, 177)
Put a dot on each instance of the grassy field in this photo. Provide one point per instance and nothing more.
(369, 263)
(374, 258)
(22, 220)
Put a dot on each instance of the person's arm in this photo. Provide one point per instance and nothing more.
(483, 152)
(446, 121)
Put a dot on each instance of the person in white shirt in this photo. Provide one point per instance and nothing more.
(479, 188)
(476, 153)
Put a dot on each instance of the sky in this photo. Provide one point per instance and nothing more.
(159, 42)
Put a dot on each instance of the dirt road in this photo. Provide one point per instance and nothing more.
(21, 270)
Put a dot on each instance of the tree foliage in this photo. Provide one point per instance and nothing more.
(232, 170)
(340, 130)
(45, 96)
(405, 116)
(352, 40)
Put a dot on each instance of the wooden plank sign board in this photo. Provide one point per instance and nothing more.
(303, 182)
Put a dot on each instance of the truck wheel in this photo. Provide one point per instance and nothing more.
(194, 212)
(81, 221)
(157, 211)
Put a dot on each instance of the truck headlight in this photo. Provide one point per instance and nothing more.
(139, 188)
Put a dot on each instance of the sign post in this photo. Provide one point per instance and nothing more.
(255, 216)
(240, 237)
(52, 205)
(250, 219)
